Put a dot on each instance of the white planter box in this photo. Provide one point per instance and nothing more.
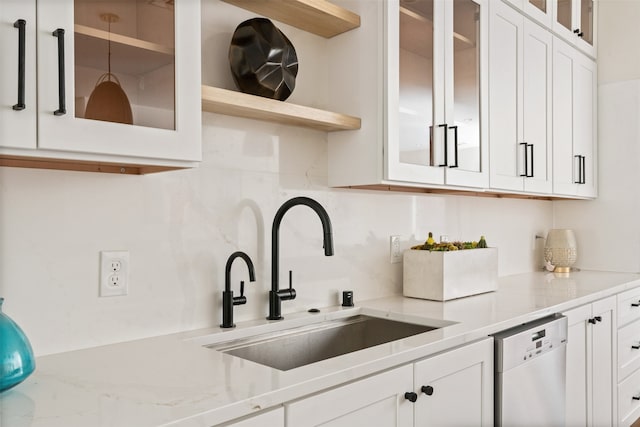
(442, 276)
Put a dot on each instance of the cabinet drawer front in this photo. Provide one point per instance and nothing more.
(627, 390)
(628, 356)
(628, 306)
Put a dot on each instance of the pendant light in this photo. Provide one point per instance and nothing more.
(108, 101)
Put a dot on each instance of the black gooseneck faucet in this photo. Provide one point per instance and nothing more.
(277, 295)
(228, 300)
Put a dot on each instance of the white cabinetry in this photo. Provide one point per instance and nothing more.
(152, 50)
(539, 10)
(421, 95)
(574, 122)
(271, 418)
(18, 112)
(590, 397)
(463, 376)
(520, 102)
(575, 21)
(628, 363)
(428, 392)
(377, 400)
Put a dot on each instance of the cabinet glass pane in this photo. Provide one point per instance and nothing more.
(540, 4)
(125, 61)
(466, 84)
(564, 13)
(416, 82)
(586, 20)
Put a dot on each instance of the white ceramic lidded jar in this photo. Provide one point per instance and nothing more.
(560, 249)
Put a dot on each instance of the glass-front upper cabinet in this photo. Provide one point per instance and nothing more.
(539, 10)
(120, 77)
(575, 21)
(435, 105)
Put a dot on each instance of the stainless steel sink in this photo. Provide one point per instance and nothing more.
(292, 348)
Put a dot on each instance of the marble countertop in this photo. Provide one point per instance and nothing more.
(174, 380)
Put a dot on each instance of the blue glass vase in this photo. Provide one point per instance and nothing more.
(16, 355)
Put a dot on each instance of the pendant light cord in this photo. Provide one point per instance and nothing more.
(109, 54)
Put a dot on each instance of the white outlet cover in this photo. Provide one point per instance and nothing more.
(395, 254)
(114, 273)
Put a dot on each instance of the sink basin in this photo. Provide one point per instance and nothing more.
(292, 348)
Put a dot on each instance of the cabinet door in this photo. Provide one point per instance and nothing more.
(466, 84)
(137, 56)
(585, 122)
(574, 122)
(415, 91)
(436, 59)
(578, 398)
(590, 364)
(18, 112)
(505, 97)
(537, 130)
(539, 10)
(574, 20)
(604, 363)
(463, 376)
(272, 418)
(520, 102)
(375, 401)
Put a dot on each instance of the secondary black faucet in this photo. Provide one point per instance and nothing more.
(228, 300)
(277, 295)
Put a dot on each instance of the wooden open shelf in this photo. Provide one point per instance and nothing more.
(319, 17)
(129, 55)
(223, 101)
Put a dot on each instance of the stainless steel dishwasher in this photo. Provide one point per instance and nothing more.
(530, 373)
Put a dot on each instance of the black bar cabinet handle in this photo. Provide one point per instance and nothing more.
(62, 109)
(636, 347)
(579, 181)
(636, 397)
(584, 169)
(455, 146)
(526, 160)
(635, 304)
(20, 24)
(530, 174)
(446, 145)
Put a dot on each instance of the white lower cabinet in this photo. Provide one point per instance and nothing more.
(591, 399)
(460, 377)
(430, 391)
(270, 418)
(377, 400)
(629, 357)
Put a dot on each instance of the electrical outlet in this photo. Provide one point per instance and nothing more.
(114, 273)
(395, 253)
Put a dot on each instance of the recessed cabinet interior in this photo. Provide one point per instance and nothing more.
(520, 87)
(117, 84)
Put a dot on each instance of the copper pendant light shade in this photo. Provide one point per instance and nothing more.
(108, 101)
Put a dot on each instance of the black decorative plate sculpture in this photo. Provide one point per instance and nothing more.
(263, 60)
